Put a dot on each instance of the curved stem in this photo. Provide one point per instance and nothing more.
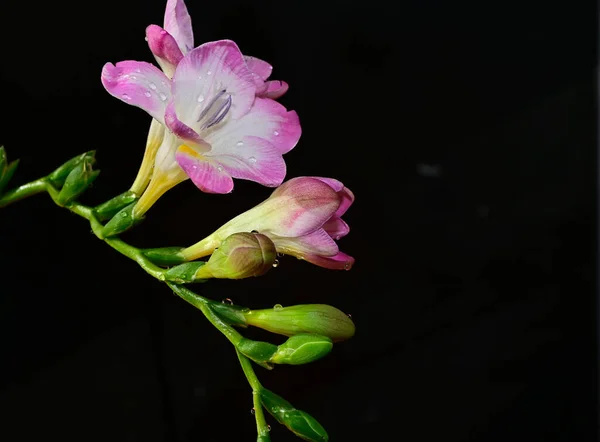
(24, 191)
(262, 428)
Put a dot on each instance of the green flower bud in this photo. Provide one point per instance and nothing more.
(319, 319)
(240, 255)
(164, 256)
(7, 169)
(184, 272)
(298, 422)
(108, 209)
(121, 222)
(302, 349)
(258, 351)
(78, 180)
(59, 176)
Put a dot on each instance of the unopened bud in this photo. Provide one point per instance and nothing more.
(302, 349)
(77, 181)
(240, 255)
(258, 351)
(59, 176)
(298, 422)
(320, 319)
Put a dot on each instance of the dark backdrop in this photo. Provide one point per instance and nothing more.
(468, 135)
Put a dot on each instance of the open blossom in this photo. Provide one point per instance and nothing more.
(303, 219)
(218, 109)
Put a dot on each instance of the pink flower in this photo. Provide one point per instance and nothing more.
(303, 219)
(218, 109)
(175, 39)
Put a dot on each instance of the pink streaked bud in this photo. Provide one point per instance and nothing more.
(301, 217)
(239, 256)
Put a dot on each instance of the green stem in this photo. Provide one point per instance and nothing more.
(24, 191)
(203, 305)
(262, 428)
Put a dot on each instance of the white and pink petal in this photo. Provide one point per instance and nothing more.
(178, 23)
(267, 119)
(253, 159)
(204, 73)
(207, 174)
(340, 261)
(139, 84)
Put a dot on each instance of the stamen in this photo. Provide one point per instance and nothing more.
(215, 110)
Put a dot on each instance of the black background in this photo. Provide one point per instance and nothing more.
(467, 133)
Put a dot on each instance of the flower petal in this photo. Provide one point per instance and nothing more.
(260, 67)
(267, 119)
(275, 89)
(183, 131)
(208, 175)
(139, 84)
(255, 159)
(347, 199)
(178, 23)
(203, 73)
(165, 49)
(340, 261)
(314, 243)
(346, 195)
(336, 227)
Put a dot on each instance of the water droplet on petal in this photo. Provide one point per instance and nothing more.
(162, 96)
(337, 237)
(276, 263)
(163, 32)
(199, 77)
(126, 97)
(138, 71)
(275, 133)
(147, 94)
(252, 160)
(277, 307)
(152, 86)
(209, 73)
(133, 77)
(200, 98)
(239, 143)
(227, 301)
(220, 168)
(279, 254)
(194, 167)
(347, 266)
(254, 231)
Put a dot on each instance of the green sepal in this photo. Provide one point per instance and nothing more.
(122, 221)
(78, 180)
(107, 210)
(7, 174)
(60, 175)
(3, 160)
(258, 351)
(232, 314)
(298, 422)
(165, 256)
(302, 349)
(184, 272)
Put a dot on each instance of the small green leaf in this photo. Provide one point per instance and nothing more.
(9, 171)
(77, 182)
(165, 256)
(107, 210)
(184, 272)
(60, 175)
(302, 349)
(258, 351)
(122, 221)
